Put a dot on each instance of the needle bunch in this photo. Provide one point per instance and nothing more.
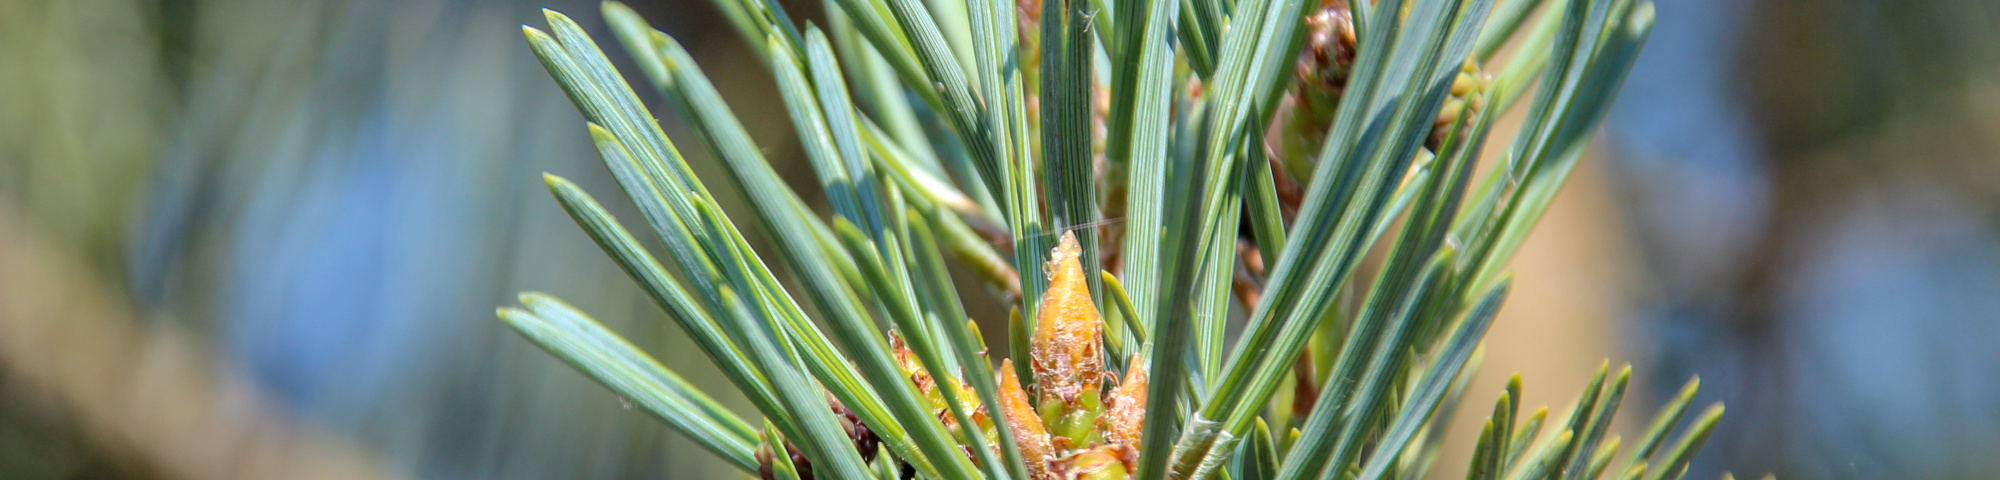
(1174, 199)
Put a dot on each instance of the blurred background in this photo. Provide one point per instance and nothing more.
(264, 239)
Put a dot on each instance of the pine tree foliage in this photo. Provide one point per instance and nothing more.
(1123, 173)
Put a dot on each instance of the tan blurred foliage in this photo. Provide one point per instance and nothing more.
(86, 387)
(82, 110)
(148, 393)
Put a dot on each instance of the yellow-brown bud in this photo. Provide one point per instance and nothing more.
(1124, 417)
(1027, 428)
(1102, 462)
(908, 360)
(1468, 99)
(1066, 349)
(930, 386)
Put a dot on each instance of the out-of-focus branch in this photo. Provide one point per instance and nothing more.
(148, 391)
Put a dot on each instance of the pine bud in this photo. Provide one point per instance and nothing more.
(1319, 77)
(1319, 81)
(1067, 348)
(1102, 462)
(1066, 345)
(930, 387)
(1468, 100)
(1124, 420)
(1024, 424)
(865, 440)
(908, 360)
(766, 455)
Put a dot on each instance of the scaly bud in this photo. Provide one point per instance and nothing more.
(1468, 99)
(1124, 419)
(1067, 359)
(1024, 424)
(1319, 78)
(766, 456)
(908, 360)
(1098, 463)
(865, 440)
(1067, 350)
(1319, 81)
(930, 387)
